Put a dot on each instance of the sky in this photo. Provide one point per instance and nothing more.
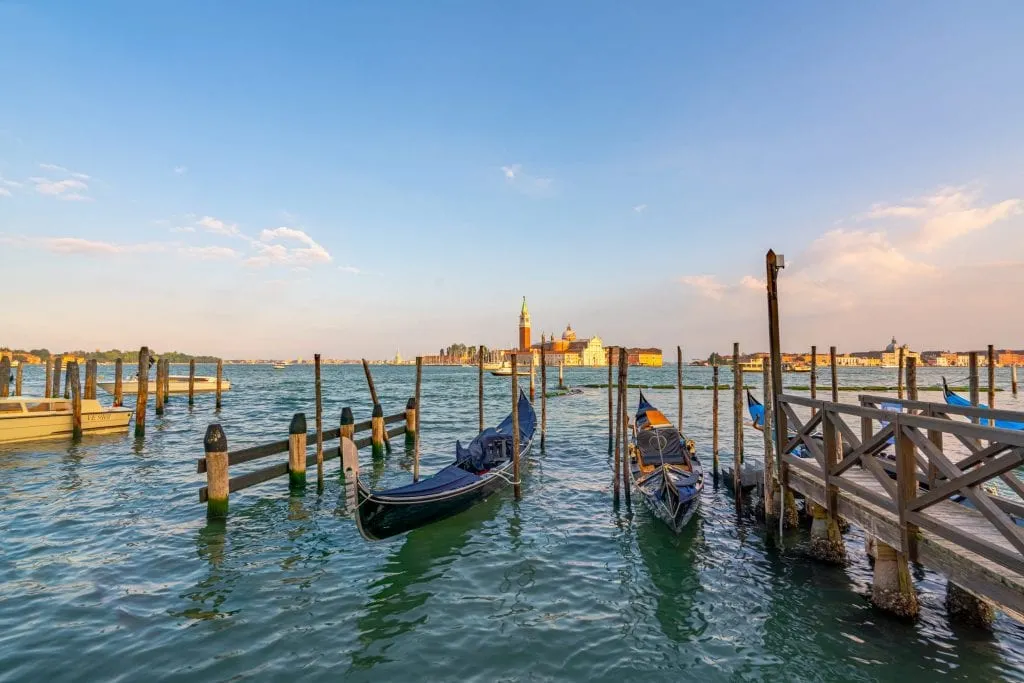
(269, 179)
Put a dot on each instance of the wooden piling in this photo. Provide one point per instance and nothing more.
(543, 397)
(17, 378)
(319, 422)
(479, 385)
(160, 386)
(737, 423)
(911, 375)
(166, 386)
(192, 381)
(67, 378)
(766, 428)
(118, 383)
(561, 373)
(772, 267)
(416, 420)
(991, 377)
(611, 419)
(347, 430)
(55, 389)
(297, 451)
(625, 427)
(47, 391)
(376, 401)
(679, 384)
(532, 364)
(835, 373)
(220, 375)
(517, 489)
(899, 375)
(714, 421)
(618, 435)
(215, 443)
(1013, 380)
(90, 380)
(377, 432)
(76, 400)
(814, 375)
(142, 394)
(972, 368)
(5, 376)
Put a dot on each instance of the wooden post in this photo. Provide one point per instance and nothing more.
(55, 389)
(377, 431)
(561, 372)
(619, 427)
(611, 419)
(972, 367)
(76, 400)
(772, 267)
(906, 486)
(347, 429)
(215, 443)
(220, 374)
(899, 375)
(90, 379)
(814, 375)
(376, 402)
(826, 539)
(49, 378)
(516, 485)
(67, 378)
(835, 373)
(714, 421)
(160, 386)
(142, 393)
(297, 451)
(416, 420)
(543, 396)
(319, 422)
(166, 387)
(533, 396)
(1013, 380)
(5, 376)
(912, 378)
(737, 423)
(991, 378)
(679, 384)
(18, 378)
(118, 383)
(192, 382)
(625, 427)
(766, 428)
(479, 385)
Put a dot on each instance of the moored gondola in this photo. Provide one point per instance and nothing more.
(480, 469)
(664, 467)
(955, 399)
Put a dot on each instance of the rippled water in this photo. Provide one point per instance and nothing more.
(110, 571)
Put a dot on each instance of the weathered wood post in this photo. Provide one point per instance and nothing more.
(625, 427)
(1013, 380)
(297, 451)
(479, 385)
(835, 374)
(67, 378)
(160, 386)
(899, 375)
(17, 378)
(76, 400)
(90, 379)
(972, 367)
(517, 489)
(166, 387)
(5, 376)
(611, 419)
(215, 443)
(992, 378)
(49, 378)
(619, 428)
(737, 424)
(766, 432)
(416, 421)
(319, 422)
(377, 431)
(142, 393)
(192, 381)
(826, 539)
(532, 393)
(714, 421)
(55, 388)
(912, 378)
(376, 402)
(814, 375)
(543, 395)
(347, 430)
(220, 375)
(679, 384)
(561, 373)
(118, 383)
(774, 263)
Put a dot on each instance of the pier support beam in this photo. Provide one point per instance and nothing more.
(215, 443)
(410, 422)
(891, 589)
(297, 452)
(969, 609)
(826, 540)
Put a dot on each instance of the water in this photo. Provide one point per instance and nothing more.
(110, 571)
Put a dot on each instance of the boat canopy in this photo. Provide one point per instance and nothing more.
(450, 478)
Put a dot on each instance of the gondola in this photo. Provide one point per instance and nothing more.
(955, 399)
(664, 467)
(480, 469)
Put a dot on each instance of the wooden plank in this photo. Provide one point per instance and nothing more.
(874, 468)
(964, 411)
(991, 434)
(863, 491)
(795, 400)
(989, 470)
(971, 542)
(801, 463)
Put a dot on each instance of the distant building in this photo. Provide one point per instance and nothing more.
(524, 327)
(891, 354)
(1006, 358)
(571, 351)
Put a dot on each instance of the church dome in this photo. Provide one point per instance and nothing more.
(891, 348)
(569, 335)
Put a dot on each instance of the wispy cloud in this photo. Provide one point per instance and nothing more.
(350, 269)
(526, 183)
(71, 188)
(77, 245)
(217, 226)
(640, 208)
(706, 285)
(180, 170)
(269, 249)
(183, 228)
(4, 192)
(211, 253)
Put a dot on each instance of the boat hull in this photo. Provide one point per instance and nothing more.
(25, 427)
(176, 384)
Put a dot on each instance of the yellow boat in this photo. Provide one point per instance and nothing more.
(24, 418)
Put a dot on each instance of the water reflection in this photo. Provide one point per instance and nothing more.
(213, 589)
(672, 563)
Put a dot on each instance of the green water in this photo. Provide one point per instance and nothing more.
(110, 571)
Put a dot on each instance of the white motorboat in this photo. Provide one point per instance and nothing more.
(280, 366)
(178, 385)
(25, 418)
(505, 370)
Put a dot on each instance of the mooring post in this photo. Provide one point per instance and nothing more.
(5, 376)
(619, 427)
(160, 386)
(90, 379)
(714, 422)
(76, 400)
(49, 378)
(118, 383)
(766, 429)
(625, 427)
(215, 443)
(166, 388)
(410, 428)
(516, 484)
(737, 424)
(18, 378)
(679, 384)
(814, 376)
(220, 375)
(319, 422)
(533, 396)
(611, 419)
(192, 381)
(912, 378)
(297, 451)
(350, 457)
(774, 263)
(543, 395)
(992, 378)
(1013, 380)
(55, 389)
(67, 379)
(561, 373)
(972, 367)
(479, 385)
(142, 392)
(826, 539)
(376, 402)
(416, 421)
(835, 374)
(377, 431)
(899, 375)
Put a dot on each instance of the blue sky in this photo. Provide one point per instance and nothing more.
(275, 179)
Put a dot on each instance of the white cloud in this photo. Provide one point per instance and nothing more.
(350, 269)
(862, 254)
(183, 228)
(4, 192)
(10, 183)
(57, 187)
(217, 226)
(180, 170)
(269, 251)
(522, 181)
(71, 189)
(211, 253)
(707, 285)
(640, 208)
(77, 245)
(510, 171)
(53, 167)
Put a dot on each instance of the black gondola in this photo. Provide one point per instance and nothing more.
(479, 470)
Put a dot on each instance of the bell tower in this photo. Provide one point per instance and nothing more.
(524, 328)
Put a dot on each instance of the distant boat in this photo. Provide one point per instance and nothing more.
(480, 469)
(23, 418)
(796, 367)
(505, 370)
(178, 384)
(280, 366)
